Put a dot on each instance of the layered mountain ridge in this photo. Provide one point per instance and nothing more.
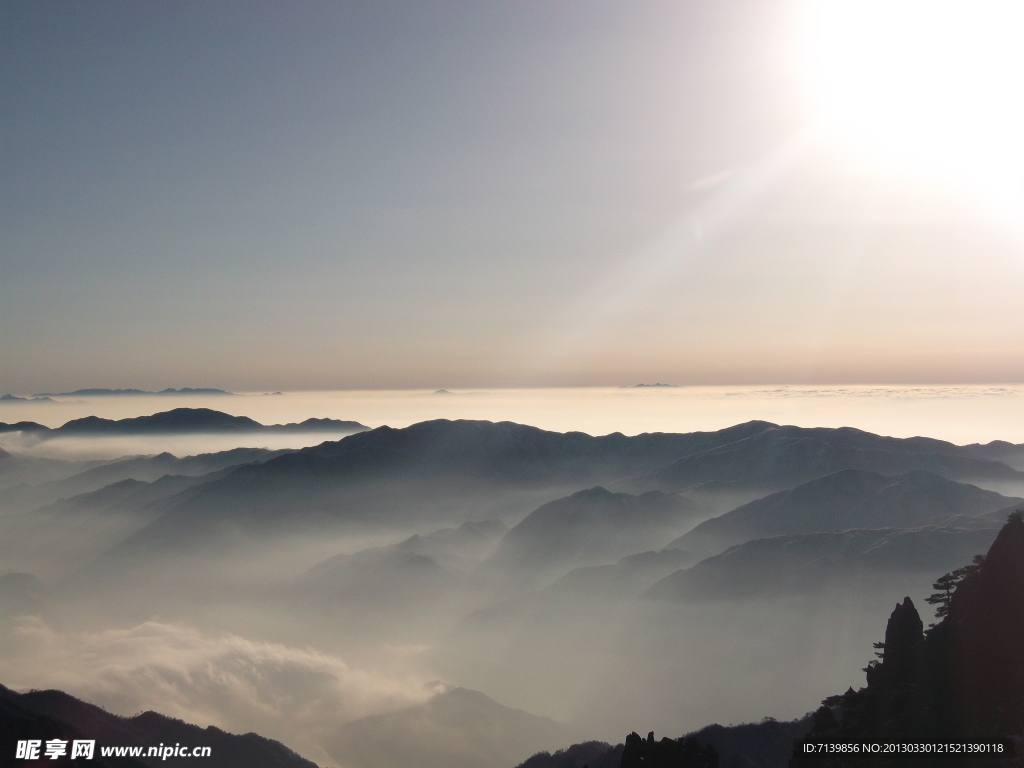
(175, 421)
(51, 714)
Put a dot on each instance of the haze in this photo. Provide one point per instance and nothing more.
(386, 196)
(356, 598)
(485, 232)
(959, 413)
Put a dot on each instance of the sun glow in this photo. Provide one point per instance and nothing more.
(928, 85)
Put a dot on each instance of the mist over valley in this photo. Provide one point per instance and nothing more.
(509, 385)
(349, 598)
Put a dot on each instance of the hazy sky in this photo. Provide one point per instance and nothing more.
(258, 195)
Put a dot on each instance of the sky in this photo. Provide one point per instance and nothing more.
(306, 195)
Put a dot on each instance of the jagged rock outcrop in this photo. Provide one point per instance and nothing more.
(985, 627)
(686, 752)
(963, 680)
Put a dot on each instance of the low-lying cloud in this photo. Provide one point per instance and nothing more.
(296, 695)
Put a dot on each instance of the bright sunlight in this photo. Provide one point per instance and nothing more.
(931, 86)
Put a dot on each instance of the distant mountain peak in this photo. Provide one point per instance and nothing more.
(101, 392)
(34, 399)
(23, 426)
(180, 420)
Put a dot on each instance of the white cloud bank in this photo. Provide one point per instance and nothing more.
(296, 695)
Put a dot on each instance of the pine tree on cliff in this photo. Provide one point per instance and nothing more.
(964, 682)
(986, 636)
(947, 584)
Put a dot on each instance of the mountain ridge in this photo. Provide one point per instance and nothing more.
(97, 392)
(784, 456)
(63, 714)
(849, 498)
(820, 561)
(591, 527)
(447, 471)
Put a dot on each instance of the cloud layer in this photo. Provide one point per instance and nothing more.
(296, 695)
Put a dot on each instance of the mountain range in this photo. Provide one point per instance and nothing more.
(849, 498)
(775, 457)
(177, 421)
(958, 682)
(51, 714)
(119, 392)
(463, 542)
(446, 470)
(405, 576)
(768, 744)
(814, 562)
(147, 469)
(590, 527)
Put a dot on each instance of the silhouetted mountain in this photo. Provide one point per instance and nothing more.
(469, 542)
(818, 561)
(18, 469)
(145, 468)
(177, 420)
(149, 468)
(525, 455)
(450, 471)
(767, 744)
(98, 519)
(981, 637)
(23, 426)
(720, 496)
(21, 723)
(412, 582)
(201, 420)
(846, 499)
(590, 527)
(960, 681)
(999, 450)
(16, 399)
(578, 595)
(433, 471)
(140, 480)
(126, 495)
(55, 714)
(686, 752)
(456, 729)
(317, 425)
(121, 392)
(382, 579)
(628, 577)
(70, 533)
(589, 754)
(457, 549)
(777, 457)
